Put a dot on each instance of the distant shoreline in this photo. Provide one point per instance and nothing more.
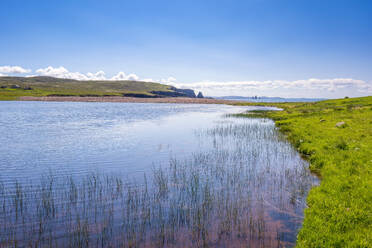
(126, 99)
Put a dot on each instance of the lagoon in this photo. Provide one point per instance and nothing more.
(85, 174)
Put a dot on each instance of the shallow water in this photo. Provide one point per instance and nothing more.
(75, 138)
(211, 179)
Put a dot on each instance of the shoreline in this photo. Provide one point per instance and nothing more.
(332, 135)
(183, 100)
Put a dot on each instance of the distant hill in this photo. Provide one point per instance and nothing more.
(13, 87)
(268, 99)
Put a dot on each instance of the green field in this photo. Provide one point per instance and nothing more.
(47, 86)
(335, 136)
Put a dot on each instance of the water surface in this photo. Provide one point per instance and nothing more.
(164, 174)
(73, 138)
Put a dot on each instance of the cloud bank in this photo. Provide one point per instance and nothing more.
(61, 72)
(282, 87)
(13, 70)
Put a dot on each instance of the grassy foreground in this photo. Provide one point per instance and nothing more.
(336, 137)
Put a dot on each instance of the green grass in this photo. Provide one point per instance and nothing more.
(45, 86)
(339, 212)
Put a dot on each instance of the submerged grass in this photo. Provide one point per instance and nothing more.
(336, 137)
(247, 189)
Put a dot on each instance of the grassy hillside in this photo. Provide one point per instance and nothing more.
(336, 137)
(44, 86)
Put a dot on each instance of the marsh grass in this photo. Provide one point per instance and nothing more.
(247, 189)
(339, 213)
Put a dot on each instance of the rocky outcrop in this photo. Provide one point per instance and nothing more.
(139, 95)
(184, 92)
(175, 92)
(167, 94)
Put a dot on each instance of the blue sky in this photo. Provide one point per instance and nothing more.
(252, 47)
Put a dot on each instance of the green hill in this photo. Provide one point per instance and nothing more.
(11, 88)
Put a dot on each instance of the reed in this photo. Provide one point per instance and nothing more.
(242, 190)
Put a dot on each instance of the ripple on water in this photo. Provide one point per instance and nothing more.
(163, 174)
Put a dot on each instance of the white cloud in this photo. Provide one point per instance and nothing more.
(100, 75)
(122, 76)
(62, 72)
(13, 70)
(2, 75)
(170, 80)
(149, 80)
(302, 88)
(132, 77)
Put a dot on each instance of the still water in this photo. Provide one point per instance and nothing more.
(170, 175)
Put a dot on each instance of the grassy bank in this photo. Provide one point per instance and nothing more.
(336, 137)
(14, 94)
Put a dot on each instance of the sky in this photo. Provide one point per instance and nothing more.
(235, 47)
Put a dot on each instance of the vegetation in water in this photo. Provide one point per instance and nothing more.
(235, 194)
(336, 137)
